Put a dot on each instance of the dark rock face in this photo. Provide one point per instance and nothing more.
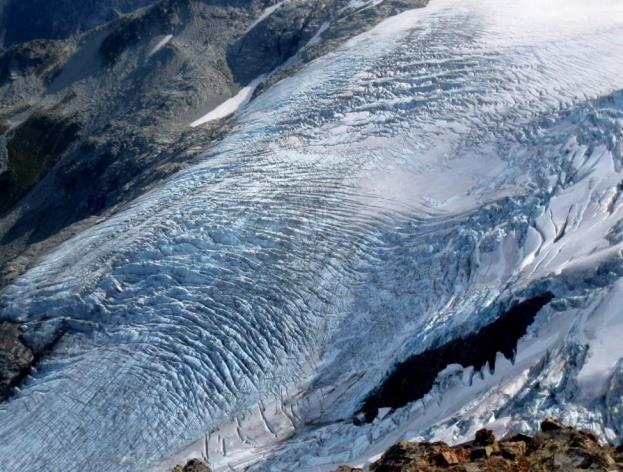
(25, 20)
(551, 424)
(166, 16)
(32, 150)
(19, 354)
(273, 41)
(484, 437)
(564, 449)
(413, 378)
(16, 358)
(40, 57)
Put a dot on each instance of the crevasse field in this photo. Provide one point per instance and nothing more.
(390, 196)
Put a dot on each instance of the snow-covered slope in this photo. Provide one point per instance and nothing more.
(391, 195)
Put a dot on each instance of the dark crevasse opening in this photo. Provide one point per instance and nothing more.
(413, 378)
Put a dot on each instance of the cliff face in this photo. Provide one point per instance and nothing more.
(556, 447)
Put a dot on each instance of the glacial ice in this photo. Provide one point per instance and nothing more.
(390, 195)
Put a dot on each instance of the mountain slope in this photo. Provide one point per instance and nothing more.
(25, 20)
(113, 106)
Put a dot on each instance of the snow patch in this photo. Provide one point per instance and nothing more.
(229, 106)
(265, 14)
(162, 43)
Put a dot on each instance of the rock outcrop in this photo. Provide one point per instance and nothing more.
(556, 447)
(193, 465)
(16, 358)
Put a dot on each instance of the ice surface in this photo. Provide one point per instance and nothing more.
(390, 195)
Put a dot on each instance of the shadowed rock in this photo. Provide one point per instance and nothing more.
(412, 379)
(16, 358)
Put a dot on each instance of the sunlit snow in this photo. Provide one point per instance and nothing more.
(162, 43)
(229, 106)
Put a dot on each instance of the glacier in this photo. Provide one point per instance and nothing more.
(392, 194)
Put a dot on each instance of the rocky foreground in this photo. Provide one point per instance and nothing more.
(556, 447)
(194, 465)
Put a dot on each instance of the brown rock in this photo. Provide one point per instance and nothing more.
(481, 452)
(346, 468)
(467, 468)
(513, 450)
(559, 448)
(608, 459)
(402, 456)
(446, 458)
(195, 465)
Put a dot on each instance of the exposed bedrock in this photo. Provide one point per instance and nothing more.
(16, 358)
(412, 379)
(32, 150)
(19, 355)
(556, 447)
(272, 41)
(40, 57)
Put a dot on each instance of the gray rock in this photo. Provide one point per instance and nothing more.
(16, 358)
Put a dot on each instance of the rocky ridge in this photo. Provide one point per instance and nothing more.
(555, 447)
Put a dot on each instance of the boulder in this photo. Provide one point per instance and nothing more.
(481, 452)
(551, 424)
(513, 450)
(484, 437)
(446, 458)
